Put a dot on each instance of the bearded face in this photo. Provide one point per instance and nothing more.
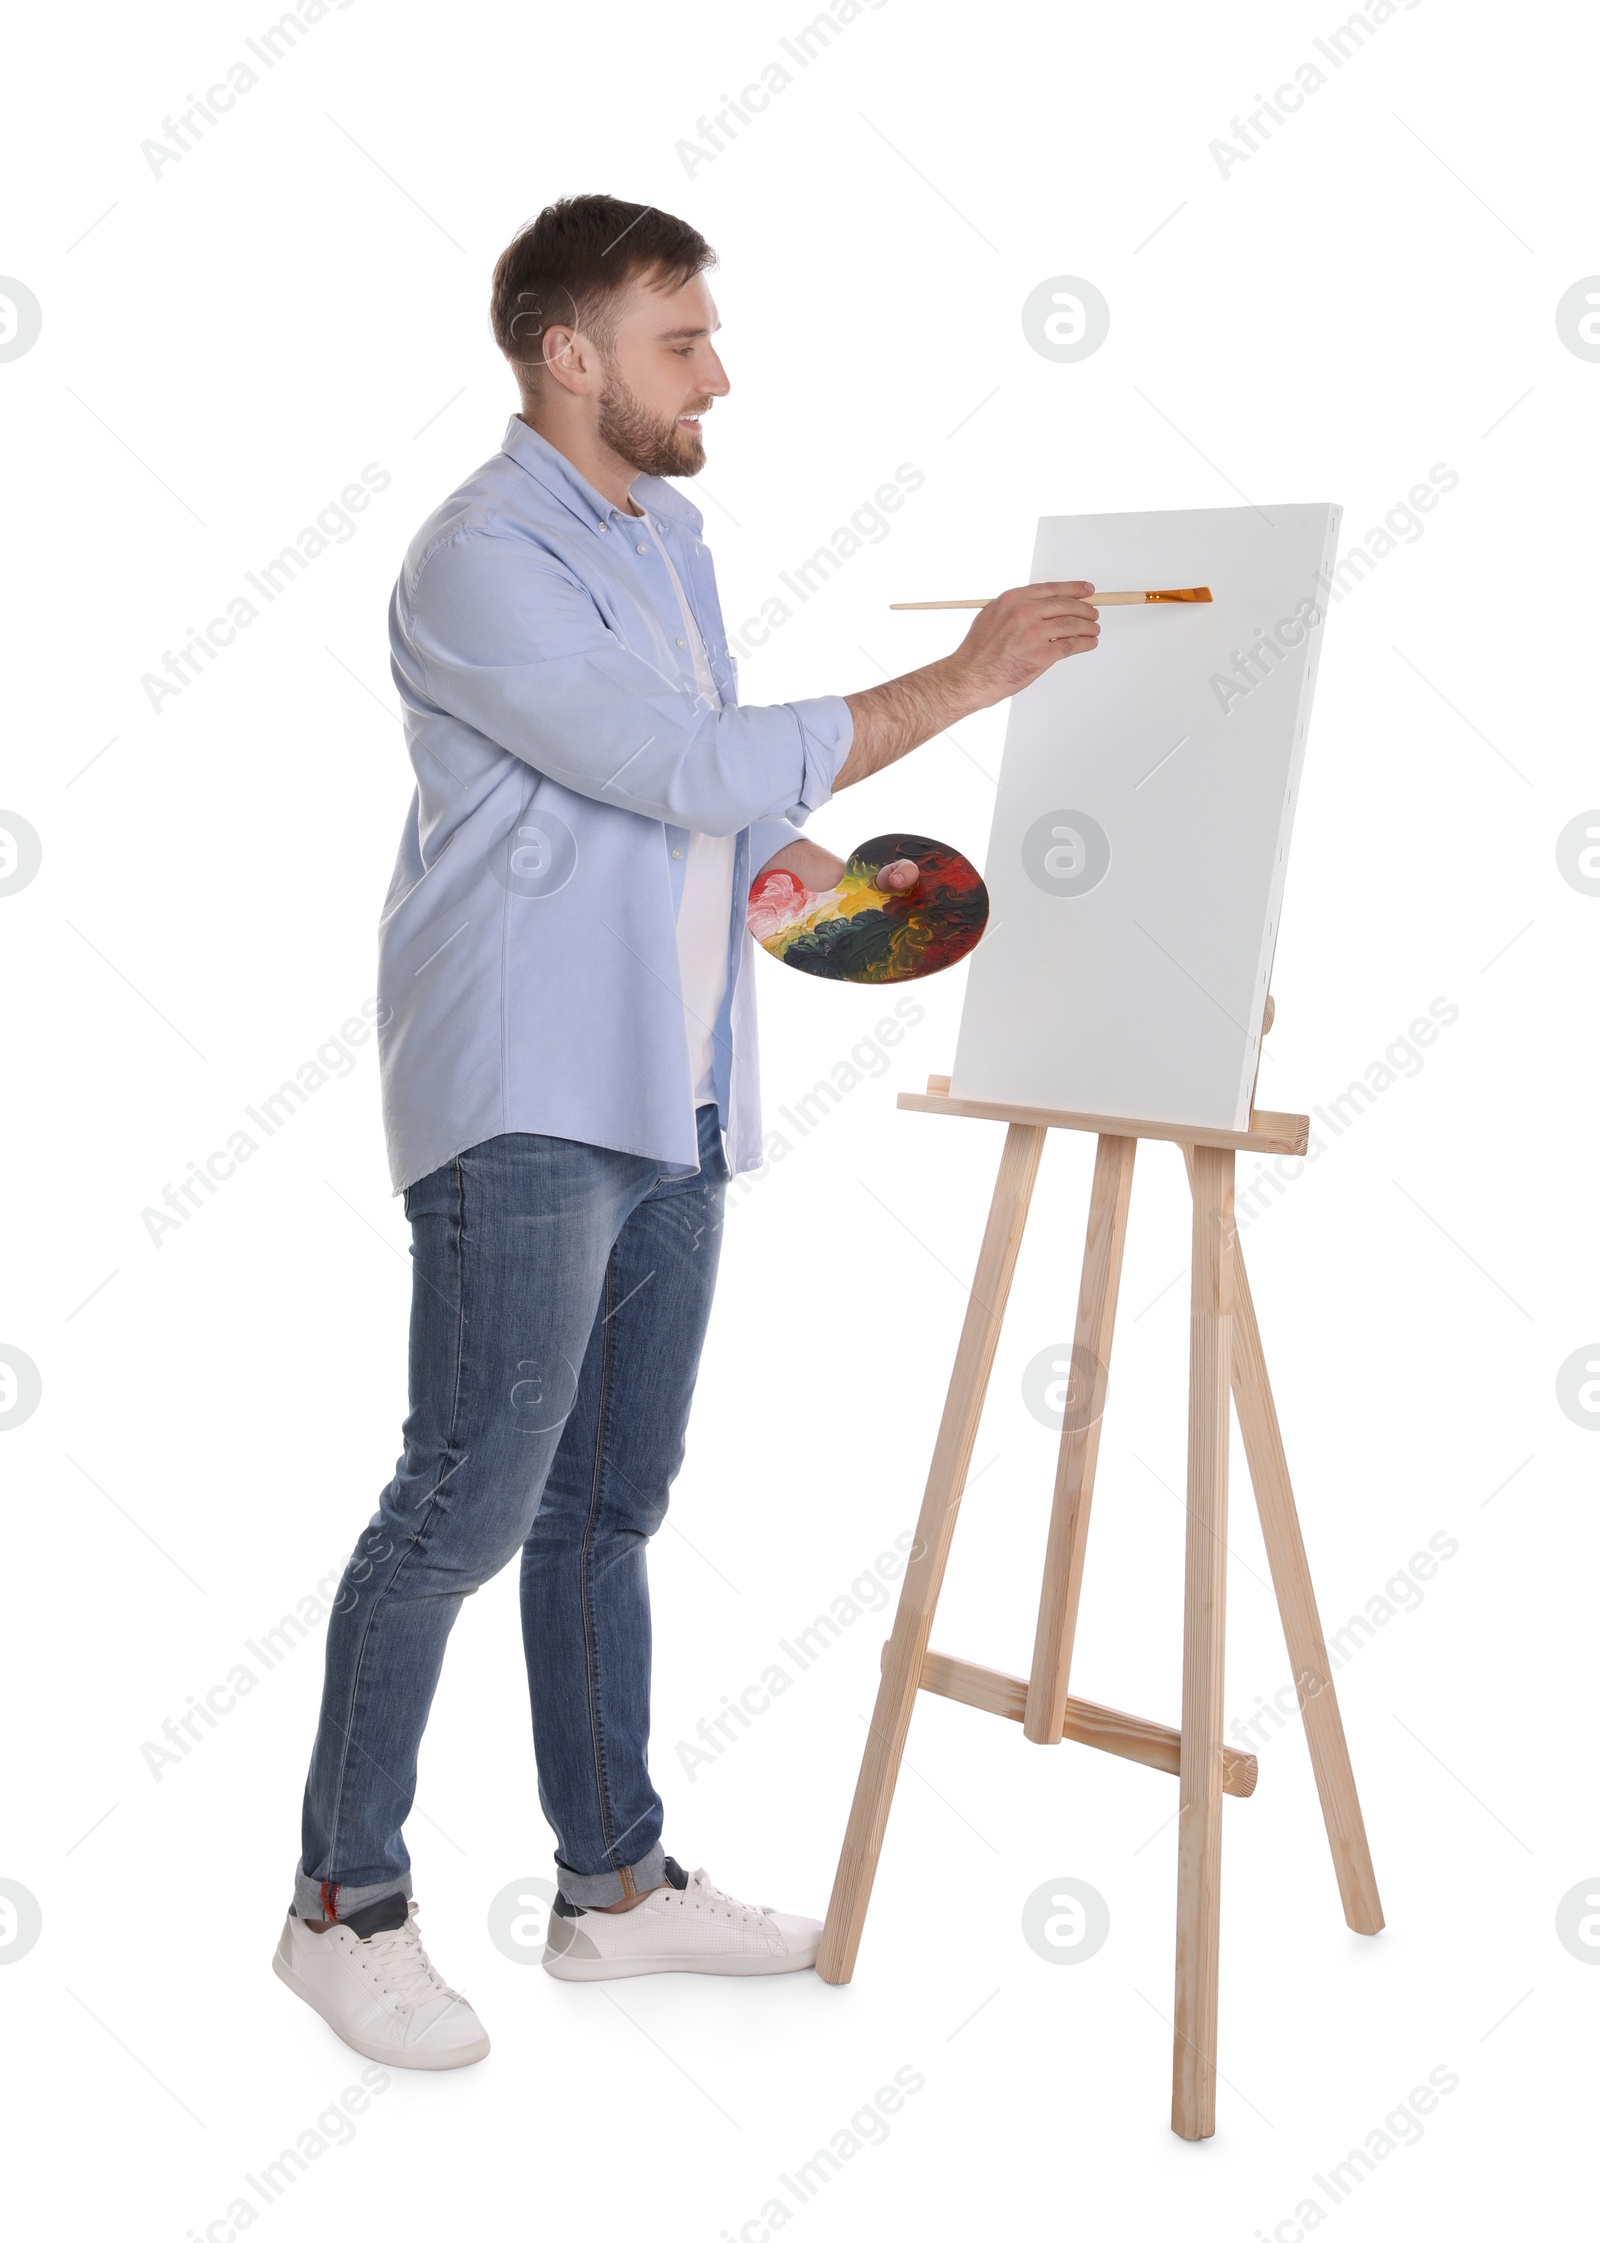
(650, 443)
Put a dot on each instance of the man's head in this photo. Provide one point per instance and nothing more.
(603, 311)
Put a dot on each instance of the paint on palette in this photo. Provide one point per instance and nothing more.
(860, 932)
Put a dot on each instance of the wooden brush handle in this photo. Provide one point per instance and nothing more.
(1093, 599)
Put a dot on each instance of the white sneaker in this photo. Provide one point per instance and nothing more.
(686, 1924)
(371, 1980)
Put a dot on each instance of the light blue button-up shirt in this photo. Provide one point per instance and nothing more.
(528, 969)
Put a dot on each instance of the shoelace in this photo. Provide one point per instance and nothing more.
(703, 1889)
(399, 1962)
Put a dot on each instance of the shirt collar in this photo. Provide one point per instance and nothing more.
(557, 474)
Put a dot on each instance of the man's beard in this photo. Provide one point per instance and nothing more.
(650, 446)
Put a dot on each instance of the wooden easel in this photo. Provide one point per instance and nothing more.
(1224, 1352)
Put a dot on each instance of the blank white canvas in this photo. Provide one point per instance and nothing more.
(1141, 828)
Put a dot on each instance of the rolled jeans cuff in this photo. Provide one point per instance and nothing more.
(312, 1900)
(613, 1884)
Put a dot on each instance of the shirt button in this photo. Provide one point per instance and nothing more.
(641, 549)
(677, 852)
(601, 528)
(683, 642)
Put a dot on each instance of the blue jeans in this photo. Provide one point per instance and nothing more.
(560, 1296)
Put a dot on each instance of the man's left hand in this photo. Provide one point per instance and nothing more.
(821, 870)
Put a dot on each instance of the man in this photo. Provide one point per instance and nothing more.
(569, 1078)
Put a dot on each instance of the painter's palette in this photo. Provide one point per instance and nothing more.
(859, 932)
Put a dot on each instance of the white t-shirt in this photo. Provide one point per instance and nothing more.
(707, 902)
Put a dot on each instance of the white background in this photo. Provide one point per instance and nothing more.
(223, 348)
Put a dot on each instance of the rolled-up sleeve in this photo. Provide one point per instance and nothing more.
(497, 633)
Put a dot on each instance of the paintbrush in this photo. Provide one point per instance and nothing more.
(1094, 599)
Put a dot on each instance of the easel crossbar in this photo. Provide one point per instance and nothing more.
(1268, 1132)
(1128, 1735)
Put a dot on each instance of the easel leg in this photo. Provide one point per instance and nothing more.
(1302, 1628)
(1080, 1443)
(1297, 1609)
(919, 1594)
(1194, 2051)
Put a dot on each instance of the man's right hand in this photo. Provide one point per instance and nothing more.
(1015, 639)
(1021, 634)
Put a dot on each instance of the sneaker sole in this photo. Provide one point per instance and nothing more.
(448, 2060)
(585, 1967)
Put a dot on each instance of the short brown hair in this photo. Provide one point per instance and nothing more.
(568, 266)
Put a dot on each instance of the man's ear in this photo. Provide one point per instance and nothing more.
(570, 359)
